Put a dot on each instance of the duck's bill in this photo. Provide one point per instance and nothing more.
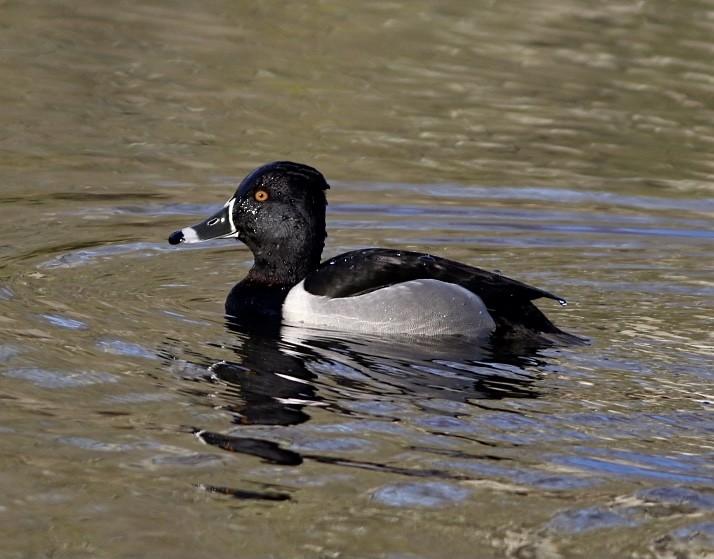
(219, 226)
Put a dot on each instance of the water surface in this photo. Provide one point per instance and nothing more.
(568, 146)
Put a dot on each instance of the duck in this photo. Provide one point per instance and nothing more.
(279, 212)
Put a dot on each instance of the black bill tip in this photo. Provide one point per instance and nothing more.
(176, 237)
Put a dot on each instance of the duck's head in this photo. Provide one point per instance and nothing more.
(278, 211)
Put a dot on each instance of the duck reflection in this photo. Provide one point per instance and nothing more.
(448, 368)
(276, 374)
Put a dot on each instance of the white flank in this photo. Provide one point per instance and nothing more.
(423, 307)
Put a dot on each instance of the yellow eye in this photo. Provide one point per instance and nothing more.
(261, 195)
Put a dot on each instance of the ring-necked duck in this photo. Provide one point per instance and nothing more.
(278, 210)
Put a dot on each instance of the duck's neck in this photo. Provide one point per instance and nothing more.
(280, 266)
(277, 269)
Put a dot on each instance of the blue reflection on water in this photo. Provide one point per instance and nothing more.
(671, 469)
(426, 494)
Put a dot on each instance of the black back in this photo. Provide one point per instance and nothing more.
(362, 271)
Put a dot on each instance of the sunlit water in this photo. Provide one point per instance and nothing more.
(567, 148)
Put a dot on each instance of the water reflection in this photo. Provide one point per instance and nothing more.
(273, 376)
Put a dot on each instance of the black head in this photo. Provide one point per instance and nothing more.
(278, 210)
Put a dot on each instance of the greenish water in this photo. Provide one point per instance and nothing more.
(566, 144)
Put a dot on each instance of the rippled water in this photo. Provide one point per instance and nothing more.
(567, 146)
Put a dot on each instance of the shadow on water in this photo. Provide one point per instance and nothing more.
(274, 376)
